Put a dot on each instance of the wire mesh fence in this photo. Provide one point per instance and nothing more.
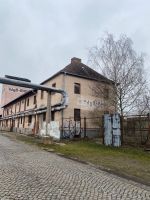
(85, 127)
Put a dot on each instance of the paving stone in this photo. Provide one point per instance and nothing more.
(26, 172)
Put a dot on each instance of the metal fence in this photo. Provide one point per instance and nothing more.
(135, 129)
(85, 127)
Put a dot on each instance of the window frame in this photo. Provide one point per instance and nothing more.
(77, 88)
(28, 102)
(77, 114)
(42, 94)
(34, 99)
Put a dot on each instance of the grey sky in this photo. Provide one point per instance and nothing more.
(38, 37)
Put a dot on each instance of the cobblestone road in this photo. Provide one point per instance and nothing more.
(29, 173)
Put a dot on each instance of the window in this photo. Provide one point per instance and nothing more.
(52, 115)
(77, 114)
(44, 117)
(42, 94)
(34, 100)
(106, 93)
(106, 112)
(54, 85)
(28, 102)
(15, 107)
(20, 120)
(76, 88)
(30, 119)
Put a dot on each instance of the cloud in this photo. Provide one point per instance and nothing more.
(38, 38)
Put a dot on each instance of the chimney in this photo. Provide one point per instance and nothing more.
(75, 60)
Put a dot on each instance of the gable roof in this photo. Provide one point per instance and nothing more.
(78, 69)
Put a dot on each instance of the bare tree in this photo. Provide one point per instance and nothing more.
(143, 103)
(117, 60)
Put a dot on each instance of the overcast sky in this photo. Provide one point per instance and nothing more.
(38, 37)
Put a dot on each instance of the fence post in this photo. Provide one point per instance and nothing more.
(62, 124)
(103, 128)
(84, 127)
(122, 129)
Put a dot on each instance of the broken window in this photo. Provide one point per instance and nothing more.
(76, 88)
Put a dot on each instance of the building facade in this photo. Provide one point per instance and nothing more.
(27, 113)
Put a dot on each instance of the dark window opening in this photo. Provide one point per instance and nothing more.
(106, 93)
(30, 119)
(34, 100)
(106, 112)
(44, 117)
(77, 88)
(28, 102)
(54, 85)
(42, 94)
(53, 116)
(77, 114)
(21, 120)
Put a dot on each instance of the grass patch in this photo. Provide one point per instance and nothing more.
(128, 161)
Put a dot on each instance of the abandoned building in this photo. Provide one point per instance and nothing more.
(27, 113)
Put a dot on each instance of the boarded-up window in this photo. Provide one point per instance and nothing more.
(77, 114)
(77, 88)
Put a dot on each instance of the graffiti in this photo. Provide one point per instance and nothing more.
(17, 90)
(88, 103)
(71, 128)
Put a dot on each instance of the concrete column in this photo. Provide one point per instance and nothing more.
(48, 112)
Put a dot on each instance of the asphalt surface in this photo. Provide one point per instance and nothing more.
(27, 172)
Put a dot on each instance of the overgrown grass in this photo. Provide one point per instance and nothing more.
(126, 161)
